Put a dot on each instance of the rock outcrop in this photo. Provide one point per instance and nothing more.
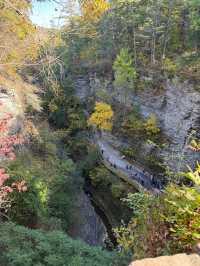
(177, 108)
(176, 260)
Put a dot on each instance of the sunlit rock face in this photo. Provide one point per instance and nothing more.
(176, 106)
(176, 260)
(10, 107)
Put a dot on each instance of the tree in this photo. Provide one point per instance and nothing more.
(92, 10)
(102, 116)
(151, 126)
(125, 73)
(18, 42)
(194, 8)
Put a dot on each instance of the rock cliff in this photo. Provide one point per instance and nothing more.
(177, 107)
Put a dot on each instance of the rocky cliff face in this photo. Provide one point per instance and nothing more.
(16, 96)
(177, 107)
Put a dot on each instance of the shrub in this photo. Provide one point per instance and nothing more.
(151, 126)
(166, 224)
(50, 189)
(100, 175)
(130, 153)
(170, 67)
(133, 124)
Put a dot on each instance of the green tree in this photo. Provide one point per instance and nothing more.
(24, 247)
(125, 73)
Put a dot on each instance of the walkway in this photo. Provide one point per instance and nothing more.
(132, 172)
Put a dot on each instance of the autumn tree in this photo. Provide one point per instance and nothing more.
(17, 37)
(7, 144)
(151, 125)
(102, 116)
(195, 145)
(93, 10)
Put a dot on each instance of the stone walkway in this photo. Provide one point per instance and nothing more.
(117, 161)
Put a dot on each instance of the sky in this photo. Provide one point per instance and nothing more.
(46, 13)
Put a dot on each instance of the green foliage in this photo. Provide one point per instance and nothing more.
(183, 216)
(169, 67)
(64, 109)
(125, 73)
(138, 202)
(30, 205)
(153, 31)
(166, 224)
(141, 236)
(49, 177)
(151, 126)
(135, 126)
(194, 7)
(91, 160)
(100, 175)
(130, 153)
(61, 200)
(25, 247)
(118, 190)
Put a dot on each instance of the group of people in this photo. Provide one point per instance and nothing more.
(142, 177)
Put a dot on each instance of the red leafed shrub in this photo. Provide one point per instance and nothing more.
(7, 144)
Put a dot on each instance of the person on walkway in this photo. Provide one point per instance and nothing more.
(102, 151)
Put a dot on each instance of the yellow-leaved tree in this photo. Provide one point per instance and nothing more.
(102, 116)
(92, 10)
(151, 125)
(17, 33)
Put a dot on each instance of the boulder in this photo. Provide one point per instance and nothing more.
(176, 260)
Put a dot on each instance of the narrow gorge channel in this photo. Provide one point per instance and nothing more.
(107, 234)
(92, 226)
